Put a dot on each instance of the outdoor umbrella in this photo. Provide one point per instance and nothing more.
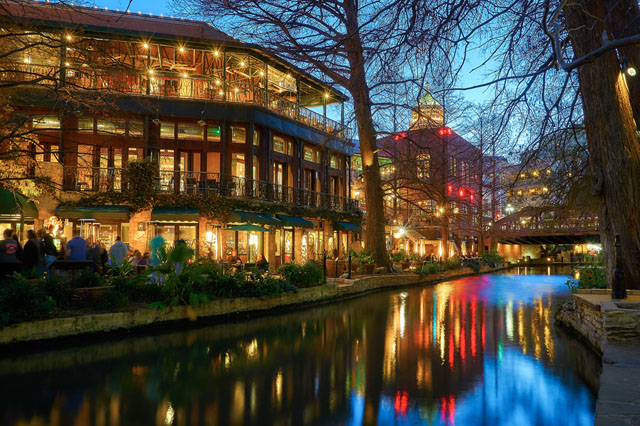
(248, 227)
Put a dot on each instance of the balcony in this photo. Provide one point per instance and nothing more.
(94, 179)
(173, 85)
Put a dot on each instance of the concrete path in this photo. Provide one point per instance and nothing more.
(619, 395)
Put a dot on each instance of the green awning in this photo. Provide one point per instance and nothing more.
(346, 226)
(248, 227)
(14, 204)
(97, 212)
(175, 215)
(261, 218)
(298, 222)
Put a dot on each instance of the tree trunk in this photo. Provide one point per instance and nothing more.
(614, 155)
(374, 236)
(623, 20)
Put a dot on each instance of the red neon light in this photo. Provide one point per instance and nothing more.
(401, 403)
(444, 131)
(449, 188)
(461, 192)
(471, 197)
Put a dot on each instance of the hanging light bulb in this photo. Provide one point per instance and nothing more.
(202, 122)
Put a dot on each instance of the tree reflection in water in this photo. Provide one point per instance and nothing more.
(479, 350)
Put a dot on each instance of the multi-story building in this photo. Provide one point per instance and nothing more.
(234, 134)
(431, 177)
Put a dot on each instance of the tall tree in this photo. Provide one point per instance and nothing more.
(362, 47)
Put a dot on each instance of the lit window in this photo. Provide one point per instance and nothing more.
(213, 133)
(46, 122)
(282, 145)
(238, 135)
(190, 132)
(111, 126)
(336, 162)
(136, 129)
(167, 130)
(85, 124)
(256, 138)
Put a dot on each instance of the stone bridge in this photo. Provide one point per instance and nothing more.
(548, 225)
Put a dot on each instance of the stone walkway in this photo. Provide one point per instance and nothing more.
(619, 395)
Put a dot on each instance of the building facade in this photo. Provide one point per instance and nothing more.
(230, 134)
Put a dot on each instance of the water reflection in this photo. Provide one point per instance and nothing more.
(480, 350)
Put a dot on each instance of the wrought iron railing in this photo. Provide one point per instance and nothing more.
(96, 179)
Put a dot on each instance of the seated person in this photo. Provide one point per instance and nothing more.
(235, 259)
(262, 263)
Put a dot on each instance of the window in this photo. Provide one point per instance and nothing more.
(237, 164)
(238, 135)
(85, 124)
(336, 162)
(256, 138)
(282, 145)
(311, 154)
(453, 166)
(167, 130)
(112, 126)
(46, 122)
(213, 133)
(136, 128)
(424, 163)
(190, 132)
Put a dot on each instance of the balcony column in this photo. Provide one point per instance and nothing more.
(224, 76)
(342, 115)
(348, 175)
(298, 97)
(248, 170)
(225, 157)
(324, 111)
(148, 88)
(266, 85)
(298, 173)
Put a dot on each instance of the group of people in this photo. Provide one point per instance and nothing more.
(39, 253)
(236, 262)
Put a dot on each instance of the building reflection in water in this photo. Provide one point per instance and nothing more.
(479, 350)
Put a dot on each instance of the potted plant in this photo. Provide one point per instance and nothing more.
(335, 266)
(397, 257)
(416, 262)
(366, 262)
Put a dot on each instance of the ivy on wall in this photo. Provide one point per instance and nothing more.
(141, 195)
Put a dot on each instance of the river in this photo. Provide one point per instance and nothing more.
(479, 350)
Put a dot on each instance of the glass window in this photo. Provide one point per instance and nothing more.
(136, 128)
(213, 133)
(311, 154)
(336, 162)
(238, 135)
(46, 122)
(237, 164)
(85, 124)
(190, 131)
(167, 130)
(256, 138)
(283, 146)
(112, 126)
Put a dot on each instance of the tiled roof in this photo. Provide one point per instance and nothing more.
(88, 17)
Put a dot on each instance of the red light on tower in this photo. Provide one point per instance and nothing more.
(444, 131)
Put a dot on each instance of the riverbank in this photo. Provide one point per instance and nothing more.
(49, 330)
(612, 328)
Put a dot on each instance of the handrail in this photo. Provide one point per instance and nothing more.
(173, 85)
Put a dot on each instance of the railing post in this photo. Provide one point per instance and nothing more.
(618, 287)
(349, 270)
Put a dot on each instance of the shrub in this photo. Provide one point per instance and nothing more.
(20, 301)
(302, 276)
(451, 263)
(398, 256)
(592, 275)
(492, 258)
(428, 269)
(473, 264)
(415, 257)
(87, 278)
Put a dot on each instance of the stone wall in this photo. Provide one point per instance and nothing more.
(600, 320)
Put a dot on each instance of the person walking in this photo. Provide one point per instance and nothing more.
(30, 253)
(155, 245)
(118, 252)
